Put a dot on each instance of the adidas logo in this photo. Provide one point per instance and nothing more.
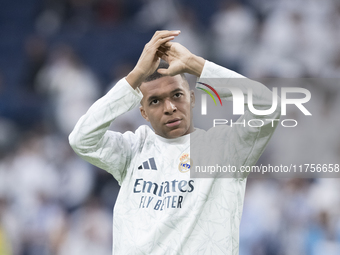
(149, 164)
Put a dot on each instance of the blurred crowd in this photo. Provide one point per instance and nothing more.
(59, 56)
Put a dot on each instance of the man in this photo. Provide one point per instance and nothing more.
(160, 209)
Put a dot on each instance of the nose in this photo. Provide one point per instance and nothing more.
(169, 107)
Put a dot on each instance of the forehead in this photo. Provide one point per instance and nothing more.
(163, 86)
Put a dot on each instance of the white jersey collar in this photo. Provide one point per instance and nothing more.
(179, 140)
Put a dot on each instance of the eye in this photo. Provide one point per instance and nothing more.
(155, 101)
(177, 95)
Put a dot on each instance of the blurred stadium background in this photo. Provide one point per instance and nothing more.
(58, 56)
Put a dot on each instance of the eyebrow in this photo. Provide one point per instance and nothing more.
(151, 98)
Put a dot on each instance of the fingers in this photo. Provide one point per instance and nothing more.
(170, 71)
(154, 46)
(167, 45)
(163, 71)
(161, 55)
(163, 52)
(165, 33)
(161, 41)
(161, 37)
(163, 48)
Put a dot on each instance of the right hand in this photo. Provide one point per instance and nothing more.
(149, 59)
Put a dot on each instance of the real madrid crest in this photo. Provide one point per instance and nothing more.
(185, 163)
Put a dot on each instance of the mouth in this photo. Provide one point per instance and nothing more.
(173, 122)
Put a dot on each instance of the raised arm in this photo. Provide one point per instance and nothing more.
(91, 139)
(244, 144)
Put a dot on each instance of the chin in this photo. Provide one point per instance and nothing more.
(178, 132)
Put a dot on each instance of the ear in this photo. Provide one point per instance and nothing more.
(143, 113)
(192, 98)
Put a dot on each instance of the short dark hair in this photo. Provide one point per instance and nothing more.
(156, 75)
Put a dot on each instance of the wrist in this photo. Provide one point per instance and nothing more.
(195, 65)
(135, 78)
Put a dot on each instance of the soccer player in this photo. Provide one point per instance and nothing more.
(160, 209)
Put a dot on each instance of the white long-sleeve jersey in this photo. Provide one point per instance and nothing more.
(160, 209)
